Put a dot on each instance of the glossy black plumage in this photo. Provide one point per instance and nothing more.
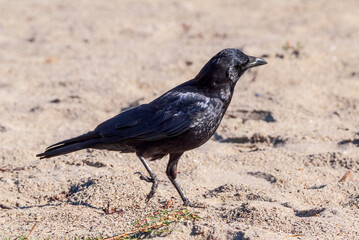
(180, 120)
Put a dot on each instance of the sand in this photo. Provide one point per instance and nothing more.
(272, 171)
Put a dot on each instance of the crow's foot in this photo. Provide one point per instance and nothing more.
(154, 182)
(143, 177)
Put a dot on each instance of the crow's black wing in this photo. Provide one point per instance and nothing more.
(143, 124)
(168, 116)
(167, 125)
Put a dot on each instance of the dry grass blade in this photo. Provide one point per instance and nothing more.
(32, 229)
(295, 235)
(152, 223)
(346, 176)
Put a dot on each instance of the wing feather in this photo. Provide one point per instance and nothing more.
(150, 122)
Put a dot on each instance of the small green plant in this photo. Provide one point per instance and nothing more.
(295, 50)
(156, 224)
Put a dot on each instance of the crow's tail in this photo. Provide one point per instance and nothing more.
(87, 140)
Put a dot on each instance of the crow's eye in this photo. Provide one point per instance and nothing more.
(244, 60)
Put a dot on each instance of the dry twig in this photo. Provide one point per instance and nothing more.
(156, 220)
(32, 229)
(346, 176)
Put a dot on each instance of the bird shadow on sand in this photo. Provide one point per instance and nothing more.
(254, 139)
(258, 115)
(65, 197)
(354, 141)
(58, 204)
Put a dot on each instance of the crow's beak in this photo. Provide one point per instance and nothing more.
(255, 62)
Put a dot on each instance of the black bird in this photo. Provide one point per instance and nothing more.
(182, 119)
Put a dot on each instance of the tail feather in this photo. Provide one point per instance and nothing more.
(71, 145)
(81, 138)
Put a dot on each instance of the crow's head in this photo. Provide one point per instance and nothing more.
(226, 67)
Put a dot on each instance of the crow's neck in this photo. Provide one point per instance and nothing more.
(222, 93)
(215, 88)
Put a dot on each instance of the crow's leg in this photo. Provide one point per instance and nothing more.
(152, 178)
(143, 177)
(172, 174)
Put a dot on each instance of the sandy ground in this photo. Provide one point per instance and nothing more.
(273, 169)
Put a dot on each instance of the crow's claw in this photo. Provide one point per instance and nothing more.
(154, 182)
(143, 177)
(152, 192)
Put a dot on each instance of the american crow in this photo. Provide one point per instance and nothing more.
(182, 119)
